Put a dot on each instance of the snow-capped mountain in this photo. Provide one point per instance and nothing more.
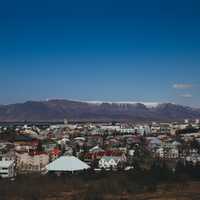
(57, 110)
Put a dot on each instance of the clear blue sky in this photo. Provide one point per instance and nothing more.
(100, 50)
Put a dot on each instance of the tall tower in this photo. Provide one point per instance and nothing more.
(65, 121)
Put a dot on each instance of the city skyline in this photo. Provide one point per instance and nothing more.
(100, 51)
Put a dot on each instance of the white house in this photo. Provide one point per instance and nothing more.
(167, 153)
(7, 168)
(35, 162)
(107, 162)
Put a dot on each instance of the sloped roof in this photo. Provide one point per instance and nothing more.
(115, 158)
(154, 140)
(67, 163)
(96, 149)
(24, 138)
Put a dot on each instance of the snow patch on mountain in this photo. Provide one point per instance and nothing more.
(147, 104)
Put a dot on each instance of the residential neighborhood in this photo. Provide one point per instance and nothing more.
(79, 147)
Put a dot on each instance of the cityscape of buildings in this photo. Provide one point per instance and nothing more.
(100, 100)
(79, 147)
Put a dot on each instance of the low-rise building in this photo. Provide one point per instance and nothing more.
(7, 168)
(108, 162)
(33, 162)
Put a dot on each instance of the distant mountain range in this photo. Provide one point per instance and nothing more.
(57, 110)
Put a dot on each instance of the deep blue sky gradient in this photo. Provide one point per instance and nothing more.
(100, 50)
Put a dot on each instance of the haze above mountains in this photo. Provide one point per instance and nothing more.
(57, 110)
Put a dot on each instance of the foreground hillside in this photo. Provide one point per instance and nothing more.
(57, 110)
(90, 187)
